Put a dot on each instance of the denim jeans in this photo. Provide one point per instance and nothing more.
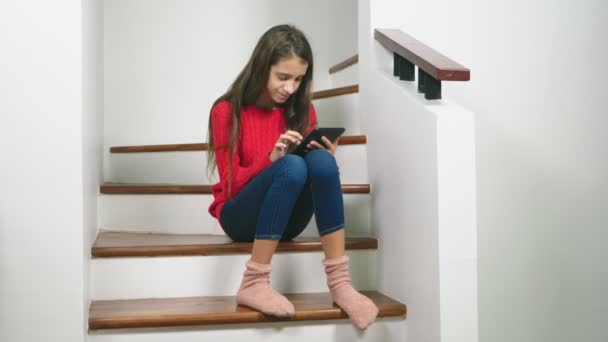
(278, 203)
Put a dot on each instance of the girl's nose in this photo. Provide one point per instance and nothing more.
(290, 87)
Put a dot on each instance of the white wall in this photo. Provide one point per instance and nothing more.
(537, 87)
(167, 61)
(92, 131)
(49, 105)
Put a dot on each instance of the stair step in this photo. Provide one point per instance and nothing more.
(190, 167)
(131, 188)
(344, 140)
(187, 214)
(124, 244)
(345, 110)
(172, 312)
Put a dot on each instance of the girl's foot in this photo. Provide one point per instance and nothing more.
(360, 309)
(256, 293)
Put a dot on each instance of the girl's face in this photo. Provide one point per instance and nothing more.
(284, 79)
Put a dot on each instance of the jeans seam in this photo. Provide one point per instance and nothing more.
(268, 237)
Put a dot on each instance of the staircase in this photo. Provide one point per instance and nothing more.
(161, 267)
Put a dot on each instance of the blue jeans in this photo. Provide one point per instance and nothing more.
(278, 203)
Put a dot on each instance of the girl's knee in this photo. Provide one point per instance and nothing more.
(294, 169)
(321, 164)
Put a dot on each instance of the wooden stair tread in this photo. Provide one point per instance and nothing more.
(344, 140)
(171, 312)
(352, 89)
(133, 188)
(344, 64)
(122, 244)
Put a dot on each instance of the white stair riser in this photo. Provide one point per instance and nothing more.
(345, 77)
(189, 167)
(340, 111)
(188, 214)
(384, 329)
(185, 276)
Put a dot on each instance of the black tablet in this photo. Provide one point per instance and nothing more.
(332, 133)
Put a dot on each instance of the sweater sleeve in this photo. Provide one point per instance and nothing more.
(222, 123)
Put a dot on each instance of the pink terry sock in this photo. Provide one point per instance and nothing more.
(256, 293)
(360, 309)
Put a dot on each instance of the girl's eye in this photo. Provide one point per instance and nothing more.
(283, 78)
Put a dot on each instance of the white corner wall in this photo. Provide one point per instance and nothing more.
(537, 88)
(50, 109)
(166, 61)
(422, 166)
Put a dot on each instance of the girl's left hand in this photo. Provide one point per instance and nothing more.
(331, 147)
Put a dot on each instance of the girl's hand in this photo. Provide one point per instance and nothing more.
(331, 147)
(283, 144)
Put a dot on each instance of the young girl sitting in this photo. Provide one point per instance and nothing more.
(267, 195)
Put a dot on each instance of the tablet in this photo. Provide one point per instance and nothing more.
(332, 133)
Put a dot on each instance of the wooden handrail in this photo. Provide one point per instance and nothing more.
(344, 64)
(433, 67)
(432, 62)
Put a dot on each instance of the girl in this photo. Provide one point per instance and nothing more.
(265, 194)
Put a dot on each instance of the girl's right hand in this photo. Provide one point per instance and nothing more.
(283, 143)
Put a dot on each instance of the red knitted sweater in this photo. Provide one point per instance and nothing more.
(260, 130)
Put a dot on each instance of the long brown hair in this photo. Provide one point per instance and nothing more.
(279, 42)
